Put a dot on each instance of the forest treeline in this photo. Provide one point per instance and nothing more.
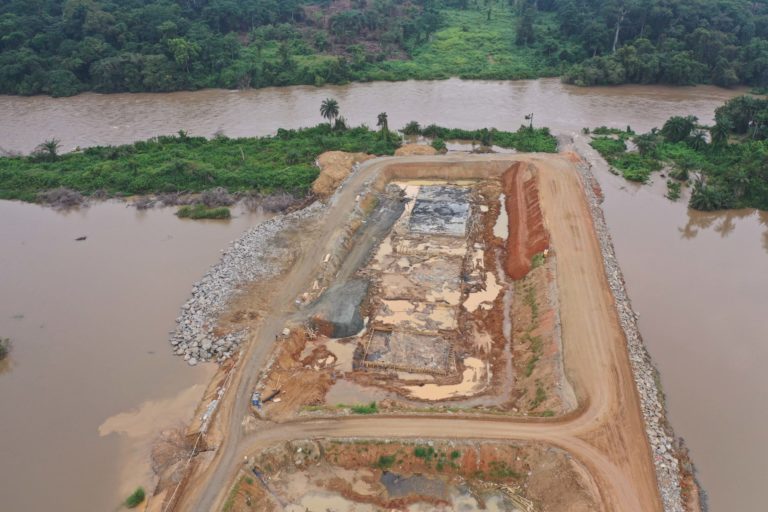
(62, 47)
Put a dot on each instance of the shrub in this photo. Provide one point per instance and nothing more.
(412, 128)
(135, 499)
(439, 144)
(200, 211)
(365, 409)
(673, 190)
(385, 462)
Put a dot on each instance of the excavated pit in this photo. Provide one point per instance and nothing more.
(424, 294)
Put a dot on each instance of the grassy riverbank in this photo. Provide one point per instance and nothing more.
(180, 163)
(724, 164)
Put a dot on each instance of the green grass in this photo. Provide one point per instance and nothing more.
(200, 211)
(537, 260)
(470, 46)
(136, 498)
(190, 164)
(370, 408)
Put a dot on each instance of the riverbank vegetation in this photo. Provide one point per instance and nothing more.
(219, 166)
(63, 47)
(726, 164)
(180, 162)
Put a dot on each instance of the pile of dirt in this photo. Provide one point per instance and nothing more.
(302, 374)
(415, 149)
(527, 234)
(335, 166)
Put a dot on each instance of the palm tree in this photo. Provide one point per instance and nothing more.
(49, 149)
(719, 134)
(383, 122)
(698, 140)
(329, 109)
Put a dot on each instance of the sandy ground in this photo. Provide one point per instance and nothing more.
(605, 434)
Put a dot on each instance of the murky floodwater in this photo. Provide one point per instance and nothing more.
(91, 119)
(90, 379)
(92, 340)
(700, 283)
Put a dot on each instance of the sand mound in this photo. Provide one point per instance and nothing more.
(415, 149)
(335, 166)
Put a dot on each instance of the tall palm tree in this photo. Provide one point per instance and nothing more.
(383, 122)
(329, 109)
(719, 134)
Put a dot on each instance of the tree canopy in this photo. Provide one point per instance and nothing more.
(62, 47)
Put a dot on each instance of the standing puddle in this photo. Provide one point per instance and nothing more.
(476, 377)
(501, 228)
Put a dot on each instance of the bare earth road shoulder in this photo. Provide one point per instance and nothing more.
(607, 434)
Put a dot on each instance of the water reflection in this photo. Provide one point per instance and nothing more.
(722, 222)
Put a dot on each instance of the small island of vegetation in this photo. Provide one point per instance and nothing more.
(727, 163)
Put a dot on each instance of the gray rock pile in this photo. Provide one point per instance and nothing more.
(652, 401)
(255, 255)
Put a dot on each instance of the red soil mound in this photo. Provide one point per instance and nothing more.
(527, 234)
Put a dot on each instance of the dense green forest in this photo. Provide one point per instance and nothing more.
(180, 163)
(726, 164)
(62, 47)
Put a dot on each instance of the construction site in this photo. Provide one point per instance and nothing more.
(449, 304)
(439, 304)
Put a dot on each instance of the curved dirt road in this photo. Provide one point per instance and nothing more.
(606, 434)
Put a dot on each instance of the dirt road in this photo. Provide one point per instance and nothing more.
(606, 433)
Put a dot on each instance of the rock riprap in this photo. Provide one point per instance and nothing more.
(256, 255)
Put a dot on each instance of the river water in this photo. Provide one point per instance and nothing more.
(90, 380)
(91, 358)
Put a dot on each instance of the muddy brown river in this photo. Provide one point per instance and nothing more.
(91, 378)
